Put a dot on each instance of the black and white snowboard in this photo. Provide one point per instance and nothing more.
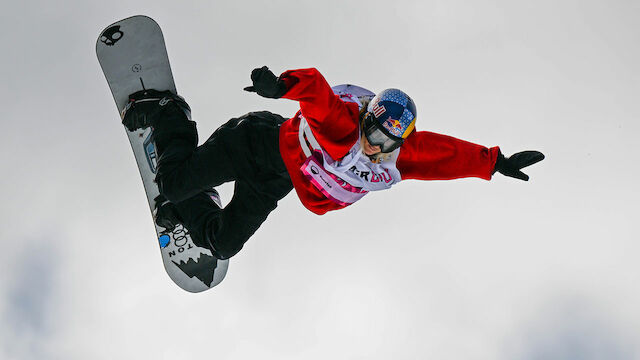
(133, 57)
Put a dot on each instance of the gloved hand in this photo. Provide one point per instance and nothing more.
(166, 214)
(266, 84)
(510, 166)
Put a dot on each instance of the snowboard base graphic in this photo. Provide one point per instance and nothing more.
(133, 57)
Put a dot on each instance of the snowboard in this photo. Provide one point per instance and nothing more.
(133, 57)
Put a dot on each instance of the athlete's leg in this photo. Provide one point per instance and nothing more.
(183, 174)
(235, 150)
(181, 168)
(246, 150)
(227, 230)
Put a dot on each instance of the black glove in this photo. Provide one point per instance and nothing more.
(166, 214)
(266, 84)
(510, 166)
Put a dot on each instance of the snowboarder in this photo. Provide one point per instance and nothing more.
(336, 149)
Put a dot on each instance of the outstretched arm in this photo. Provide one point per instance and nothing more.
(334, 123)
(430, 156)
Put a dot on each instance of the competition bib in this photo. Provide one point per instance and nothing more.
(333, 187)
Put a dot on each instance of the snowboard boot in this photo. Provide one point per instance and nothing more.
(198, 214)
(174, 133)
(166, 213)
(146, 107)
(201, 216)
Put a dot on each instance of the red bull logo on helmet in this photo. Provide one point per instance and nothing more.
(393, 126)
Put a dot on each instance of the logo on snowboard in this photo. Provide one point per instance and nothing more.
(202, 268)
(112, 35)
(194, 268)
(150, 152)
(164, 240)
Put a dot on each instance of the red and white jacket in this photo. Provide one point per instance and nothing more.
(320, 147)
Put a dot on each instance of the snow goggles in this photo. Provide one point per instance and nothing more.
(378, 135)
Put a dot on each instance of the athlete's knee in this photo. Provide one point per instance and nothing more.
(213, 235)
(224, 250)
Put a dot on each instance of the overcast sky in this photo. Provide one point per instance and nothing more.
(464, 269)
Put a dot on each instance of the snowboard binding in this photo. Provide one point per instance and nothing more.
(167, 215)
(145, 108)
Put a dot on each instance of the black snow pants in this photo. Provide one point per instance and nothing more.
(244, 150)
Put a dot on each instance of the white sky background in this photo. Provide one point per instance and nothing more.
(464, 269)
